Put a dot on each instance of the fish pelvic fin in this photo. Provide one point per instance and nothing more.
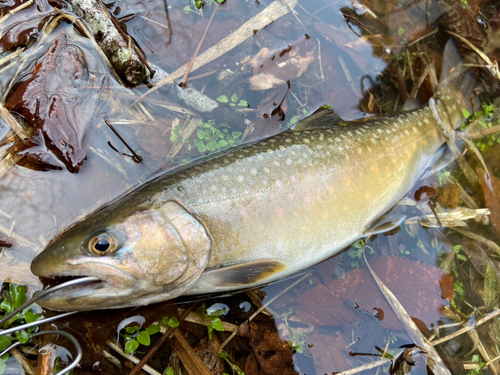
(247, 273)
(456, 86)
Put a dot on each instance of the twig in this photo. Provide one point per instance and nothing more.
(27, 366)
(136, 158)
(161, 341)
(197, 319)
(183, 83)
(366, 366)
(481, 133)
(11, 121)
(466, 329)
(489, 243)
(274, 11)
(15, 10)
(263, 307)
(192, 363)
(131, 358)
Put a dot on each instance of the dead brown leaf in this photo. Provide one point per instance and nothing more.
(273, 354)
(58, 99)
(274, 68)
(449, 196)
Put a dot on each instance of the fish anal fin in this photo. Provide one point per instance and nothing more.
(384, 224)
(246, 273)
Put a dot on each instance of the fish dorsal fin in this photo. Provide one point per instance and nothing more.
(322, 118)
(247, 273)
(385, 224)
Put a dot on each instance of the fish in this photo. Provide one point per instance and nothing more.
(256, 214)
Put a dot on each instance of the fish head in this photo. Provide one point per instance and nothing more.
(140, 257)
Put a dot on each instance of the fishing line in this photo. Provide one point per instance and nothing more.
(32, 300)
(69, 336)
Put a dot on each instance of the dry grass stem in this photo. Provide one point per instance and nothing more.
(493, 67)
(466, 329)
(271, 13)
(192, 363)
(15, 10)
(489, 243)
(131, 358)
(367, 366)
(195, 318)
(27, 366)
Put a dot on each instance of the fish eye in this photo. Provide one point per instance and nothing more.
(103, 244)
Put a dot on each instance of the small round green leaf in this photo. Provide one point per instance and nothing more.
(222, 99)
(152, 329)
(143, 338)
(131, 346)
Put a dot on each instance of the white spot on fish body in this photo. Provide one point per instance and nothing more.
(321, 137)
(254, 172)
(241, 178)
(388, 131)
(407, 132)
(272, 140)
(358, 132)
(260, 157)
(426, 120)
(276, 163)
(266, 170)
(306, 140)
(234, 190)
(379, 130)
(225, 177)
(288, 161)
(338, 139)
(288, 140)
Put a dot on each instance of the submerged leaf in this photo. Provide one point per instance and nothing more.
(491, 285)
(341, 302)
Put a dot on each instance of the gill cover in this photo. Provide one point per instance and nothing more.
(140, 257)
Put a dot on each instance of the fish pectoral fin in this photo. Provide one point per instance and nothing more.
(384, 224)
(246, 273)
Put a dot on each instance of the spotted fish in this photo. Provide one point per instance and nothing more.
(256, 214)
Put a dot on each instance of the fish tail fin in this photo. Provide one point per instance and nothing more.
(456, 85)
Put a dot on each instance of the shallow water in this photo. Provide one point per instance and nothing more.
(331, 59)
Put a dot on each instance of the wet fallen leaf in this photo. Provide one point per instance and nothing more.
(18, 30)
(329, 352)
(273, 354)
(491, 191)
(5, 241)
(59, 99)
(449, 196)
(416, 285)
(275, 68)
(208, 351)
(251, 365)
